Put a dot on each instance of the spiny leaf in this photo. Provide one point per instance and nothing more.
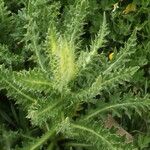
(42, 111)
(124, 55)
(127, 103)
(32, 80)
(99, 41)
(14, 91)
(102, 83)
(99, 137)
(7, 58)
(74, 20)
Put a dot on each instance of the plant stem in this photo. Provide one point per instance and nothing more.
(43, 139)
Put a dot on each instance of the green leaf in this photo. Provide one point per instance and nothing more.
(127, 103)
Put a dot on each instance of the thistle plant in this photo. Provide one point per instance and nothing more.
(65, 75)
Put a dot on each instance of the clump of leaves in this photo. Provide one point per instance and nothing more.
(65, 75)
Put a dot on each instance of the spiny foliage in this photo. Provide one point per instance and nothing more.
(65, 74)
